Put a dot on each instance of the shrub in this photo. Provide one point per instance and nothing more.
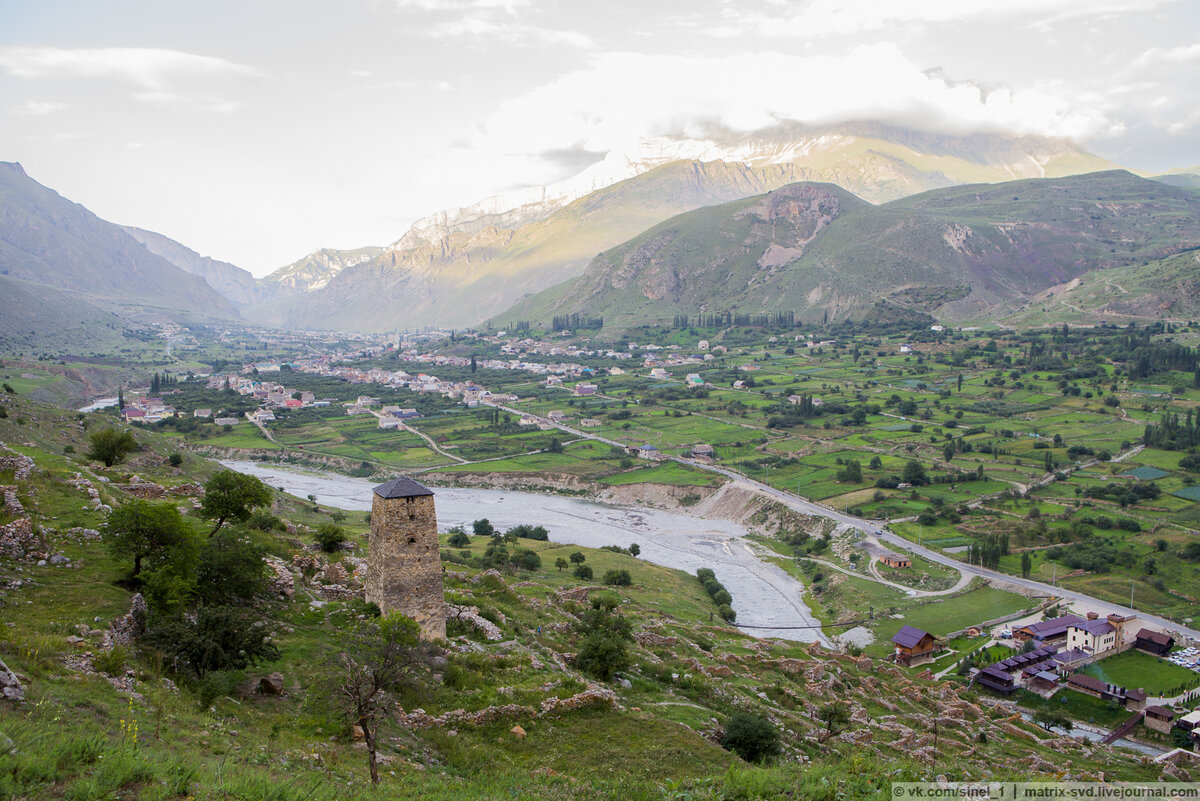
(231, 569)
(175, 459)
(459, 539)
(584, 572)
(111, 446)
(330, 537)
(751, 737)
(617, 578)
(219, 638)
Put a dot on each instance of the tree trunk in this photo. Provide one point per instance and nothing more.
(137, 564)
(216, 528)
(369, 736)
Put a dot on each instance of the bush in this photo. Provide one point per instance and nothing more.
(219, 638)
(175, 459)
(111, 446)
(584, 572)
(617, 578)
(112, 661)
(459, 539)
(727, 614)
(604, 637)
(330, 537)
(751, 737)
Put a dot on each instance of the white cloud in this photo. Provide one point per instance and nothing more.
(622, 96)
(39, 108)
(482, 27)
(149, 67)
(1171, 55)
(819, 18)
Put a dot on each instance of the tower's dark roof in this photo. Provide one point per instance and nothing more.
(402, 488)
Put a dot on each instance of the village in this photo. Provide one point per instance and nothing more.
(1069, 654)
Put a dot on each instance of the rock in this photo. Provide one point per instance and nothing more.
(625, 684)
(437, 662)
(518, 732)
(10, 685)
(59, 559)
(357, 733)
(271, 684)
(127, 628)
(451, 733)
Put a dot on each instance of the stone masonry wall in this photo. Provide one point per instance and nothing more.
(404, 568)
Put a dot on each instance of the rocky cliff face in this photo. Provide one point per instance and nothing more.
(231, 281)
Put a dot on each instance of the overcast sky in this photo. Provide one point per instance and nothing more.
(255, 131)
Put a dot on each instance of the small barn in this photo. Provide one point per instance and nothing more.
(895, 560)
(1154, 642)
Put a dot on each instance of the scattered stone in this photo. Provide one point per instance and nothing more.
(518, 732)
(470, 615)
(10, 685)
(127, 628)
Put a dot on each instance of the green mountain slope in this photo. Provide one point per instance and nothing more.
(957, 253)
(48, 240)
(462, 266)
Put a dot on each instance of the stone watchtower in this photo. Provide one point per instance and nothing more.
(404, 567)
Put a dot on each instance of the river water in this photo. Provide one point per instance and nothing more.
(764, 595)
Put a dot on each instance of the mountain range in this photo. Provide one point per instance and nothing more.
(962, 253)
(822, 220)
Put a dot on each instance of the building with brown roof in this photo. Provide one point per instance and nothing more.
(1159, 718)
(913, 644)
(1154, 642)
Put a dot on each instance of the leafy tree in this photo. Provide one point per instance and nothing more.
(527, 559)
(330, 537)
(111, 446)
(379, 658)
(634, 549)
(584, 572)
(605, 635)
(459, 539)
(876, 463)
(217, 638)
(750, 736)
(232, 495)
(150, 533)
(1049, 719)
(561, 564)
(914, 473)
(231, 570)
(833, 715)
(851, 472)
(577, 558)
(1026, 565)
(483, 528)
(175, 459)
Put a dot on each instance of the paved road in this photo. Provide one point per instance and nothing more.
(874, 530)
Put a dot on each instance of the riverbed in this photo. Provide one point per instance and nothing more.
(768, 601)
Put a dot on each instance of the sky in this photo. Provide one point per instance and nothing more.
(256, 131)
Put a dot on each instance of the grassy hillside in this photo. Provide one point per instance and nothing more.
(959, 253)
(100, 722)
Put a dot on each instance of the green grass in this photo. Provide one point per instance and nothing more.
(1138, 670)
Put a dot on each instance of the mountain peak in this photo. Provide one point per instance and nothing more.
(15, 166)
